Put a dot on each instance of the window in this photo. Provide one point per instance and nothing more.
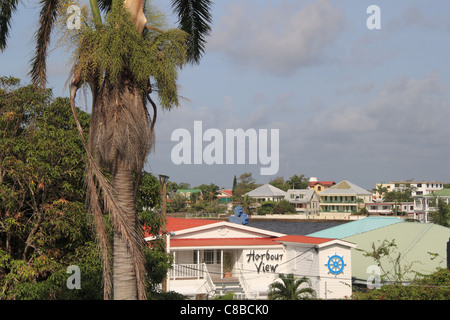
(195, 256)
(219, 256)
(208, 256)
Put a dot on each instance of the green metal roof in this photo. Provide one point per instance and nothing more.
(414, 240)
(440, 193)
(356, 227)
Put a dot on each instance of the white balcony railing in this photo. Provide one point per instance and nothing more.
(188, 271)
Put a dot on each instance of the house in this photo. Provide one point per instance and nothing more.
(344, 197)
(388, 208)
(424, 204)
(417, 187)
(306, 201)
(319, 186)
(214, 257)
(267, 192)
(225, 195)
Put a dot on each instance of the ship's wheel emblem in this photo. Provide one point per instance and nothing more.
(335, 264)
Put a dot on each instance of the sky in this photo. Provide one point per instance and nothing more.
(349, 102)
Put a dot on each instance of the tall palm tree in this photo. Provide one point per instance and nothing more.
(289, 288)
(122, 59)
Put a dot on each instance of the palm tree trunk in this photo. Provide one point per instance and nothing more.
(124, 274)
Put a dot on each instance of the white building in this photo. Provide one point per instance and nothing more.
(267, 192)
(306, 201)
(213, 257)
(417, 187)
(343, 198)
(424, 204)
(389, 208)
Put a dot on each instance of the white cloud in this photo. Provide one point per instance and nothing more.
(276, 39)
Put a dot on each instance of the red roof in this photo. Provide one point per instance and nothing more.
(176, 224)
(324, 183)
(209, 242)
(227, 192)
(303, 239)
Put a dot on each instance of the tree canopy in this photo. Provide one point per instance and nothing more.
(44, 226)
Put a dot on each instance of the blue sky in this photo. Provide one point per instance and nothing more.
(350, 103)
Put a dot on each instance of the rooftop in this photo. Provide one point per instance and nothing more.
(345, 187)
(266, 190)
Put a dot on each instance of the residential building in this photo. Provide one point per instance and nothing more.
(424, 204)
(388, 208)
(267, 192)
(214, 257)
(417, 187)
(225, 195)
(306, 201)
(319, 186)
(344, 197)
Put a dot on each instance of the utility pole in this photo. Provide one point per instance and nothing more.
(163, 179)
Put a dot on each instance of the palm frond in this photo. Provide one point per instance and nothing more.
(105, 5)
(48, 14)
(7, 8)
(194, 17)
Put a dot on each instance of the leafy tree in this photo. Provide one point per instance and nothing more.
(245, 183)
(289, 288)
(297, 182)
(279, 183)
(209, 192)
(435, 286)
(294, 182)
(43, 225)
(118, 58)
(284, 207)
(266, 207)
(148, 195)
(441, 215)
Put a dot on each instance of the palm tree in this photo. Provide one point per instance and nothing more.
(381, 190)
(119, 58)
(288, 288)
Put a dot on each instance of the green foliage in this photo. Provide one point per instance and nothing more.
(245, 183)
(119, 47)
(284, 207)
(43, 225)
(294, 182)
(148, 195)
(289, 288)
(388, 258)
(430, 287)
(266, 207)
(441, 215)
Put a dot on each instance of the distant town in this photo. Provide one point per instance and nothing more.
(311, 198)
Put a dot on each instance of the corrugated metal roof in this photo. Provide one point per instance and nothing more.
(355, 227)
(345, 187)
(414, 241)
(440, 193)
(266, 190)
